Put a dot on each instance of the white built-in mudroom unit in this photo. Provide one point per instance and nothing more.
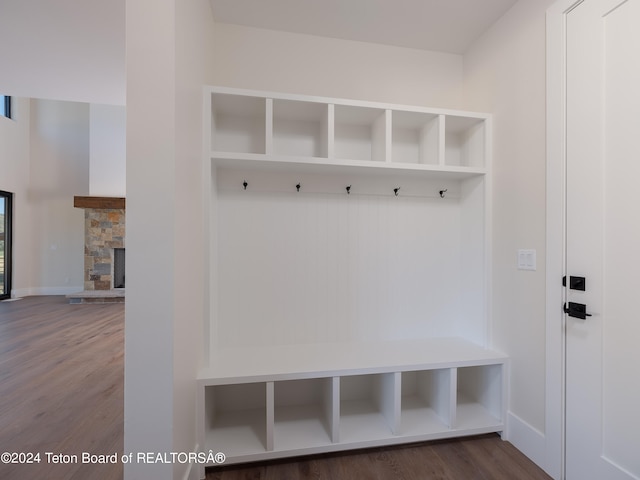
(348, 276)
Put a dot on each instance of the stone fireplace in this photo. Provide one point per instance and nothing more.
(104, 233)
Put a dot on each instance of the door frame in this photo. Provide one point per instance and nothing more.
(8, 260)
(555, 401)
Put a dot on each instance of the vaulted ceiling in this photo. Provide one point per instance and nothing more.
(449, 26)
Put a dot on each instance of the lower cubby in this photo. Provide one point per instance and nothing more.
(479, 397)
(304, 411)
(275, 408)
(367, 407)
(426, 404)
(236, 418)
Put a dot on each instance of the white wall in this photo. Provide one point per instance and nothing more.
(59, 169)
(269, 60)
(44, 159)
(14, 165)
(108, 157)
(504, 73)
(63, 50)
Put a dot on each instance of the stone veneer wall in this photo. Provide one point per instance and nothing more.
(103, 231)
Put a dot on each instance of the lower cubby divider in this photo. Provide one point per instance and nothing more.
(332, 404)
(270, 415)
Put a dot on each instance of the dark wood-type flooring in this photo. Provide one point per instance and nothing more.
(61, 386)
(483, 457)
(61, 391)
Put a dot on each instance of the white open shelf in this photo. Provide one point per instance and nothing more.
(277, 128)
(348, 245)
(366, 407)
(479, 396)
(236, 416)
(260, 405)
(238, 124)
(465, 139)
(416, 137)
(300, 129)
(303, 413)
(426, 404)
(360, 133)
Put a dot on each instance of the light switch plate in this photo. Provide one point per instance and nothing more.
(526, 259)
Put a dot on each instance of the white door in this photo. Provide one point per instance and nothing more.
(603, 240)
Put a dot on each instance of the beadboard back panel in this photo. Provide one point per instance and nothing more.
(312, 267)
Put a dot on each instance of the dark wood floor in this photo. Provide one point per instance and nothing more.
(484, 457)
(61, 391)
(61, 386)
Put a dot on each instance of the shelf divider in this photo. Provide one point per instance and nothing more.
(268, 139)
(387, 135)
(270, 415)
(379, 139)
(453, 398)
(430, 142)
(332, 408)
(331, 129)
(441, 140)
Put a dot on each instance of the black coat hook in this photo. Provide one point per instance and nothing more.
(442, 192)
(396, 190)
(245, 184)
(298, 186)
(348, 189)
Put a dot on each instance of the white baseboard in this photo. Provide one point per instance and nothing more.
(20, 292)
(33, 291)
(527, 439)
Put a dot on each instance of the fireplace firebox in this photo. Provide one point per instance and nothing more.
(118, 268)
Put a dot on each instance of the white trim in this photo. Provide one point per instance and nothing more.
(527, 439)
(20, 292)
(33, 291)
(488, 238)
(206, 219)
(555, 242)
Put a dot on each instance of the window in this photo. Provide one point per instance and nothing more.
(5, 244)
(5, 106)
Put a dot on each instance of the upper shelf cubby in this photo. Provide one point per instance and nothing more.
(416, 137)
(464, 141)
(238, 123)
(251, 126)
(299, 128)
(360, 133)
